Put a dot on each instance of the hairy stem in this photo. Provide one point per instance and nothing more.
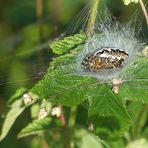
(92, 18)
(144, 10)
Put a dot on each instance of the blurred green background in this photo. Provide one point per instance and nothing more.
(26, 29)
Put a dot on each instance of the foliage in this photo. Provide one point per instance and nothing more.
(106, 110)
(127, 2)
(35, 127)
(111, 115)
(14, 112)
(68, 43)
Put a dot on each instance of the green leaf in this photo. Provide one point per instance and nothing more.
(115, 144)
(131, 93)
(12, 115)
(141, 143)
(35, 127)
(65, 62)
(84, 139)
(138, 113)
(108, 114)
(136, 86)
(60, 85)
(127, 2)
(19, 93)
(137, 70)
(68, 43)
(105, 106)
(60, 62)
(36, 107)
(66, 89)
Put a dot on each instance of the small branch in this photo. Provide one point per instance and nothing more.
(144, 10)
(92, 18)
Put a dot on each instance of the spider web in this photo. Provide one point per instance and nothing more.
(37, 68)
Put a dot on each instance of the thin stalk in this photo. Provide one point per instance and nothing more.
(92, 18)
(57, 4)
(39, 13)
(68, 143)
(144, 10)
(72, 117)
(39, 8)
(62, 117)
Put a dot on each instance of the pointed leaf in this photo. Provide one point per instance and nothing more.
(12, 115)
(35, 127)
(68, 43)
(108, 114)
(19, 93)
(84, 139)
(136, 86)
(68, 90)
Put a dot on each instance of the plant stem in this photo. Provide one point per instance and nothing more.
(69, 128)
(92, 18)
(57, 4)
(138, 120)
(72, 117)
(144, 10)
(39, 13)
(62, 118)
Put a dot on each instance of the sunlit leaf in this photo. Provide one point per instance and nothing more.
(84, 139)
(108, 114)
(65, 89)
(68, 43)
(35, 127)
(16, 109)
(19, 93)
(136, 86)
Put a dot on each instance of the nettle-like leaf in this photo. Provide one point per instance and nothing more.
(68, 43)
(107, 111)
(108, 114)
(35, 127)
(66, 89)
(39, 126)
(16, 109)
(85, 139)
(62, 85)
(17, 95)
(136, 86)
